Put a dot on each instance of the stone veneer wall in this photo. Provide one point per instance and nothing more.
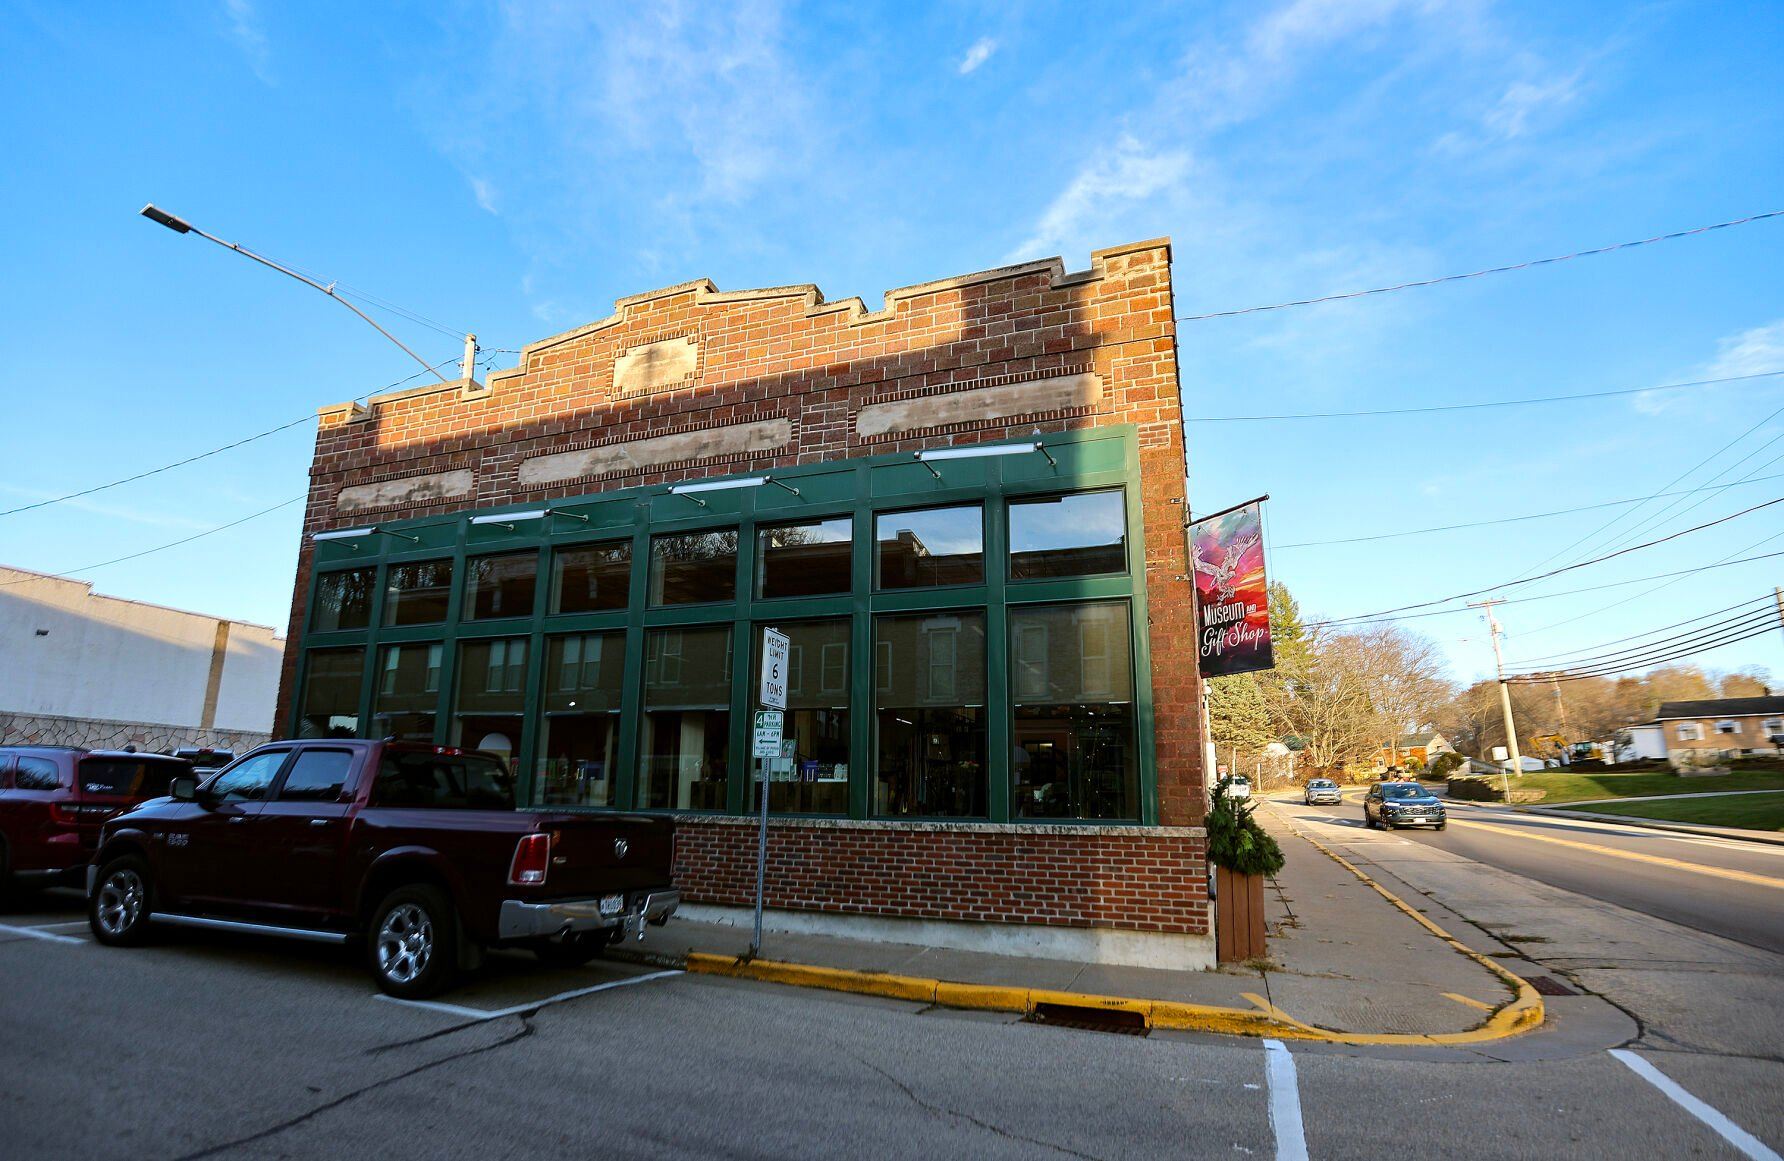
(22, 729)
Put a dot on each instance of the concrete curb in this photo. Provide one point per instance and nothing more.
(1522, 1013)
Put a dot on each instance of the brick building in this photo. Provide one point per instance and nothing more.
(965, 509)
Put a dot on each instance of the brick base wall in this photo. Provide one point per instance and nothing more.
(1129, 878)
(28, 729)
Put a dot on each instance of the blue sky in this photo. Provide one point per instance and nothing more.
(513, 169)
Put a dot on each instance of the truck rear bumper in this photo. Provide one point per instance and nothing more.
(560, 917)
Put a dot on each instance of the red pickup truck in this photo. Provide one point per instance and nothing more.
(416, 851)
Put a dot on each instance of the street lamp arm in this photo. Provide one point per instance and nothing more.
(181, 226)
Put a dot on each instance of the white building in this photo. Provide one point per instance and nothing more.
(81, 669)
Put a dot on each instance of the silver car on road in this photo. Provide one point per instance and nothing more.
(1323, 792)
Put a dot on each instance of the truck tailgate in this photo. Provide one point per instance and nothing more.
(601, 854)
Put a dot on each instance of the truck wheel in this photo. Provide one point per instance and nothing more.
(118, 911)
(572, 951)
(413, 942)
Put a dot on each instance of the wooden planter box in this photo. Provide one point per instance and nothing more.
(1238, 916)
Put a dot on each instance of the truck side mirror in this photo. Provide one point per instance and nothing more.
(184, 788)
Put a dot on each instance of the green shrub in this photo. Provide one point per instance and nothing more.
(1236, 841)
(1445, 764)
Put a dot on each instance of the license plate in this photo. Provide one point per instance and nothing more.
(612, 904)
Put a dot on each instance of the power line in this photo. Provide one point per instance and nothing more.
(1526, 265)
(207, 454)
(1350, 623)
(1661, 516)
(1529, 516)
(1676, 577)
(1555, 658)
(158, 548)
(1739, 621)
(1648, 662)
(1564, 568)
(1481, 405)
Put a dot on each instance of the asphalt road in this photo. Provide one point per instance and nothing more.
(207, 1045)
(1724, 887)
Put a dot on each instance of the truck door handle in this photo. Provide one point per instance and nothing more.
(319, 822)
(237, 820)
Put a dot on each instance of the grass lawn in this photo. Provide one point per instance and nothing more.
(1563, 787)
(1747, 811)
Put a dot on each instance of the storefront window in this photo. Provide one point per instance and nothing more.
(330, 700)
(344, 600)
(1071, 679)
(930, 706)
(408, 697)
(500, 586)
(935, 546)
(805, 560)
(489, 703)
(1077, 535)
(685, 744)
(591, 578)
(579, 735)
(817, 720)
(417, 594)
(693, 568)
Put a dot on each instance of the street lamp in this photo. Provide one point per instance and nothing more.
(180, 226)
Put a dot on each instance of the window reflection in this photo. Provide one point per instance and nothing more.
(501, 586)
(417, 594)
(579, 735)
(930, 715)
(344, 600)
(330, 699)
(1078, 535)
(936, 546)
(490, 700)
(591, 578)
(805, 560)
(817, 721)
(1071, 678)
(685, 744)
(407, 702)
(693, 568)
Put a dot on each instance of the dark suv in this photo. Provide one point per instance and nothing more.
(53, 800)
(1397, 804)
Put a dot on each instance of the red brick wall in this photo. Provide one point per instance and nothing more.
(787, 353)
(1135, 879)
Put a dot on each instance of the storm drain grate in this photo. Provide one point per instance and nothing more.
(1089, 1019)
(1549, 986)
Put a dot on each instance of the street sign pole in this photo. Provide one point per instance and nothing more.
(766, 746)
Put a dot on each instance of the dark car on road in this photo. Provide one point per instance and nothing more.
(415, 852)
(1397, 804)
(53, 800)
(1322, 792)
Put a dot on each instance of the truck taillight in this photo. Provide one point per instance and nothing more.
(531, 859)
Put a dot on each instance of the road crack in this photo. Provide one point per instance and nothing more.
(940, 1111)
(526, 1029)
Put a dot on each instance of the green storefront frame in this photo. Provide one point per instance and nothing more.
(1083, 461)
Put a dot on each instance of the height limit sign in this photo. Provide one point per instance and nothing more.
(774, 669)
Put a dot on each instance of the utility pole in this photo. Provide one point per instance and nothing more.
(1511, 728)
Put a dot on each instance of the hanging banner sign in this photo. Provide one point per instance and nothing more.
(1232, 592)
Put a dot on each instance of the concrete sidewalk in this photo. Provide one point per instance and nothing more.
(1345, 963)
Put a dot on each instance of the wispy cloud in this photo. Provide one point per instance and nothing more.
(1525, 101)
(1114, 181)
(485, 193)
(1750, 352)
(978, 54)
(130, 515)
(245, 31)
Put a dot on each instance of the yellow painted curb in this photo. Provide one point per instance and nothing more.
(1267, 1020)
(1523, 1012)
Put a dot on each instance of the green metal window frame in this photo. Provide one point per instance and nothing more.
(1080, 461)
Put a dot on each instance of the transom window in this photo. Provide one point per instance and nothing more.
(933, 546)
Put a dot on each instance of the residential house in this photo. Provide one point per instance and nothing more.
(1415, 749)
(1723, 727)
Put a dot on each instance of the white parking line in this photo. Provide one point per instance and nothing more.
(483, 1014)
(34, 933)
(1740, 1138)
(1285, 1102)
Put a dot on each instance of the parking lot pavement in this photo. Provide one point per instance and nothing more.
(212, 1045)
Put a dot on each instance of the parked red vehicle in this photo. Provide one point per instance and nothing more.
(53, 800)
(415, 851)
